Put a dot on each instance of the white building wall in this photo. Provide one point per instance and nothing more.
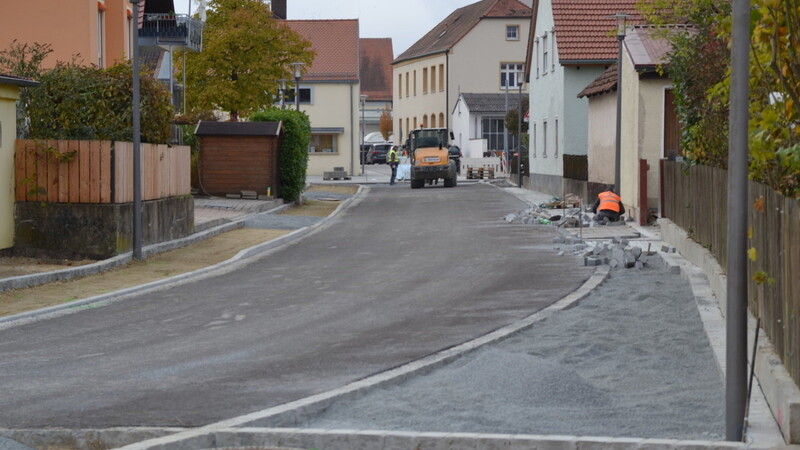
(576, 110)
(602, 137)
(475, 60)
(460, 125)
(335, 105)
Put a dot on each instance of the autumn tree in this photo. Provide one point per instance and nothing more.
(245, 52)
(386, 124)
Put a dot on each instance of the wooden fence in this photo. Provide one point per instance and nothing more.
(696, 199)
(97, 171)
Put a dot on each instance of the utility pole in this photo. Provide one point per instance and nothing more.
(137, 140)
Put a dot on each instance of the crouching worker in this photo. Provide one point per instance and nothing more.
(608, 207)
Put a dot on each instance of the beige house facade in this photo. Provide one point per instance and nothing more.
(479, 48)
(9, 93)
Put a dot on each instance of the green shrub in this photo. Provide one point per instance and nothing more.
(293, 156)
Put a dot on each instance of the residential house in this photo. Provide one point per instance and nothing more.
(329, 93)
(650, 129)
(9, 93)
(476, 49)
(572, 43)
(474, 122)
(376, 81)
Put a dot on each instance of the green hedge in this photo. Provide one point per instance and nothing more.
(293, 157)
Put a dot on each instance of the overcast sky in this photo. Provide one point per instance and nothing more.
(405, 21)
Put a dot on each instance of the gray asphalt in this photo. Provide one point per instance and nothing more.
(400, 275)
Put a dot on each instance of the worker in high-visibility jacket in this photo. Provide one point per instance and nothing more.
(608, 207)
(393, 160)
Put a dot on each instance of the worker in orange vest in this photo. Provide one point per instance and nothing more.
(608, 207)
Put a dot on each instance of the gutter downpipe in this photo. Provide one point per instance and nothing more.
(447, 90)
(351, 132)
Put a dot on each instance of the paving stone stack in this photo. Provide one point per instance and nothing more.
(617, 253)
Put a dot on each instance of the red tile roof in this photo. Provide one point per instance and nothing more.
(376, 69)
(648, 46)
(336, 45)
(606, 82)
(586, 29)
(448, 32)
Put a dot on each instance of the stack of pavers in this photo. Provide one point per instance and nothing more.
(338, 173)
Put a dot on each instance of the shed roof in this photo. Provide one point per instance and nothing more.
(585, 29)
(491, 103)
(647, 45)
(238, 128)
(336, 45)
(606, 82)
(17, 81)
(448, 32)
(376, 68)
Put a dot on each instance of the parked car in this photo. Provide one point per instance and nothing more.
(378, 153)
(365, 149)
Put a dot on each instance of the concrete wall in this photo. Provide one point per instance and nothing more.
(97, 231)
(335, 106)
(411, 106)
(8, 135)
(602, 133)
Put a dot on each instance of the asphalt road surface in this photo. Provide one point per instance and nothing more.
(400, 275)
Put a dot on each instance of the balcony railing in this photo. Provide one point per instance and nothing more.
(172, 30)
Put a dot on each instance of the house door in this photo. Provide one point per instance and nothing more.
(672, 127)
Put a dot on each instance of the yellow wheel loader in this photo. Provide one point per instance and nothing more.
(430, 158)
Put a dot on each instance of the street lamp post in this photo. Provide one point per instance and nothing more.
(519, 136)
(361, 154)
(297, 66)
(137, 139)
(505, 135)
(621, 18)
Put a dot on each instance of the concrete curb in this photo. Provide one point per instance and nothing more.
(781, 393)
(258, 250)
(295, 412)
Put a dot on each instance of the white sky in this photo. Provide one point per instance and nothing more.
(405, 21)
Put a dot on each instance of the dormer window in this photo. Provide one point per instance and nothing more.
(512, 32)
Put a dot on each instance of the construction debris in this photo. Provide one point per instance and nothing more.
(616, 253)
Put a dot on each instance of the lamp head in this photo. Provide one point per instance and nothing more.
(621, 23)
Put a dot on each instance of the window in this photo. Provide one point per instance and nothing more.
(512, 32)
(424, 80)
(433, 79)
(305, 95)
(536, 57)
(425, 121)
(544, 139)
(553, 50)
(415, 83)
(407, 91)
(399, 85)
(511, 72)
(416, 122)
(101, 19)
(441, 77)
(433, 120)
(441, 120)
(323, 143)
(130, 29)
(544, 54)
(493, 130)
(533, 140)
(555, 138)
(407, 127)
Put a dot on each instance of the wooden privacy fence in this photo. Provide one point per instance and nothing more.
(97, 171)
(696, 199)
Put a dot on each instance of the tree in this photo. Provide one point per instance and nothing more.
(386, 124)
(245, 52)
(23, 60)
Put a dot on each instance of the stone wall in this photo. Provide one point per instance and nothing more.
(97, 231)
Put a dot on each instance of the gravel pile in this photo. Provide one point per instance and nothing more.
(630, 360)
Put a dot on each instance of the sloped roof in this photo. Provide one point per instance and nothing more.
(606, 82)
(14, 80)
(647, 46)
(586, 29)
(238, 129)
(491, 103)
(336, 45)
(448, 32)
(376, 68)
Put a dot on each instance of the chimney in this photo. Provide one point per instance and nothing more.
(279, 9)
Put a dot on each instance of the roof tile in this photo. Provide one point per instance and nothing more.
(585, 29)
(336, 45)
(376, 68)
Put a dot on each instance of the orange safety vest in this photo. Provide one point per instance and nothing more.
(609, 201)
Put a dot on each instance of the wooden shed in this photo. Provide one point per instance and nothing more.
(239, 156)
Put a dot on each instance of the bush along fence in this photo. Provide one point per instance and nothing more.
(696, 199)
(74, 199)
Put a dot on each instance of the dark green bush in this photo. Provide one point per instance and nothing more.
(293, 157)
